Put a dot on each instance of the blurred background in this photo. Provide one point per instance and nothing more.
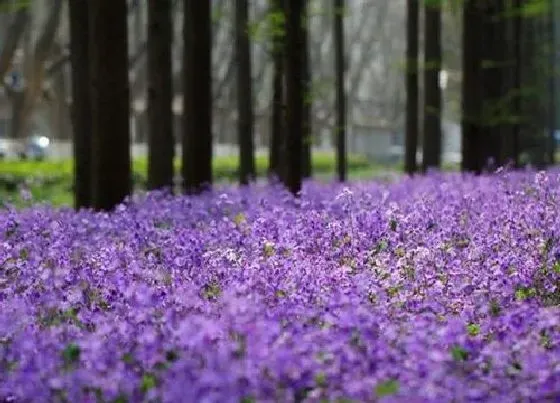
(376, 42)
(36, 86)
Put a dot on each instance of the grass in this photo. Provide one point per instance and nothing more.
(51, 180)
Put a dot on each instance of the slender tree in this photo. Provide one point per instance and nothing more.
(161, 143)
(472, 133)
(197, 97)
(552, 122)
(432, 89)
(277, 122)
(295, 90)
(81, 102)
(340, 93)
(245, 119)
(411, 137)
(111, 177)
(306, 164)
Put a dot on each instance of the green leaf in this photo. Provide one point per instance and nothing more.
(71, 354)
(459, 354)
(387, 388)
(473, 329)
(524, 293)
(321, 380)
(149, 381)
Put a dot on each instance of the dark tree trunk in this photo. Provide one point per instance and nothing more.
(111, 175)
(472, 140)
(160, 96)
(197, 94)
(508, 84)
(340, 93)
(278, 116)
(411, 138)
(294, 94)
(81, 102)
(550, 22)
(432, 90)
(494, 81)
(306, 164)
(244, 94)
(517, 73)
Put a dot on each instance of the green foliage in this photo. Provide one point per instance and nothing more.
(387, 388)
(459, 354)
(534, 8)
(149, 381)
(71, 355)
(51, 180)
(473, 329)
(15, 6)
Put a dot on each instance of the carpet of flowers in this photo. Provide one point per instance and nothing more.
(441, 288)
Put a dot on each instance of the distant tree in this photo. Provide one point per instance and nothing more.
(277, 140)
(34, 74)
(81, 102)
(12, 37)
(306, 164)
(245, 121)
(340, 93)
(111, 176)
(197, 97)
(295, 91)
(432, 89)
(411, 137)
(161, 144)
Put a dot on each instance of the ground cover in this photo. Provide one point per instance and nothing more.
(51, 180)
(442, 288)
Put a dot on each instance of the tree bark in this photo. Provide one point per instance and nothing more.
(306, 163)
(34, 74)
(411, 138)
(13, 36)
(472, 140)
(277, 127)
(81, 102)
(340, 93)
(160, 96)
(432, 91)
(245, 121)
(197, 97)
(294, 94)
(111, 163)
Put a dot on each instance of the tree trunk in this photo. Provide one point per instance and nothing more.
(34, 74)
(411, 138)
(306, 163)
(278, 118)
(81, 102)
(245, 121)
(111, 176)
(160, 95)
(340, 93)
(11, 40)
(432, 90)
(472, 140)
(294, 94)
(551, 112)
(197, 95)
(493, 73)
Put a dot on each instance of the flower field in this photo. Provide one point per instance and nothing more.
(433, 289)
